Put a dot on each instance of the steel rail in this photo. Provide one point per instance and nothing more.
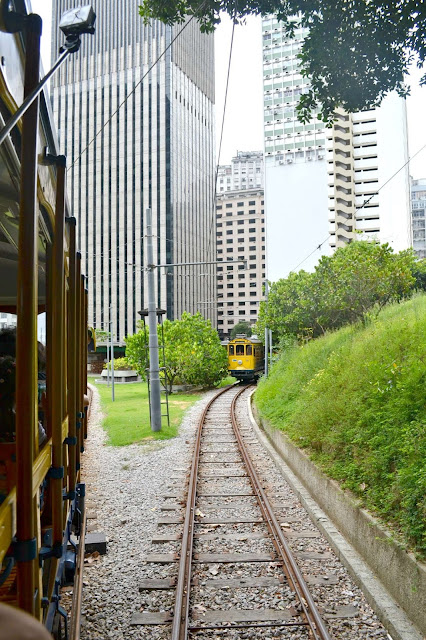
(181, 608)
(294, 575)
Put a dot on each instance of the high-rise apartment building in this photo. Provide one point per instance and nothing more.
(367, 180)
(418, 212)
(240, 233)
(318, 179)
(137, 129)
(295, 165)
(244, 172)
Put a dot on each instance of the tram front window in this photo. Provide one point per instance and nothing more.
(231, 349)
(239, 349)
(248, 350)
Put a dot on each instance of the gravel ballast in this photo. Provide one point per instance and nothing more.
(125, 488)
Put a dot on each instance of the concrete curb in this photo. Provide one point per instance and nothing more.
(294, 465)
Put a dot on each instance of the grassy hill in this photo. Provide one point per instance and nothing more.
(355, 400)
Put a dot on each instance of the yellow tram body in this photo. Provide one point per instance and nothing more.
(245, 358)
(42, 497)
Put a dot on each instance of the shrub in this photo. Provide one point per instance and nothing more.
(121, 364)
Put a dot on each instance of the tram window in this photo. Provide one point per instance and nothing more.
(231, 349)
(249, 350)
(239, 349)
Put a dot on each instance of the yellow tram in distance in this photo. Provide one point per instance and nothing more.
(245, 358)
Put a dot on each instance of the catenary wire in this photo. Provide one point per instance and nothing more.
(220, 148)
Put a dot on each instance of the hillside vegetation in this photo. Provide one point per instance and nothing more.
(355, 400)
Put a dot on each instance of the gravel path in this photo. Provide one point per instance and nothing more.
(125, 487)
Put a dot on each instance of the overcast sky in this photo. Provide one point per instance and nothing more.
(243, 129)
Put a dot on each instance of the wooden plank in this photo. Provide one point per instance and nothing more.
(202, 461)
(172, 537)
(226, 495)
(229, 520)
(221, 558)
(243, 615)
(219, 505)
(153, 584)
(161, 558)
(146, 617)
(244, 583)
(224, 474)
(170, 507)
(176, 520)
(231, 536)
(322, 580)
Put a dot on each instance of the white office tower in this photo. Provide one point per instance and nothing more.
(244, 172)
(418, 212)
(295, 166)
(367, 180)
(315, 177)
(155, 150)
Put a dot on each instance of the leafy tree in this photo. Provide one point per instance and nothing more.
(350, 286)
(241, 327)
(356, 51)
(193, 353)
(419, 273)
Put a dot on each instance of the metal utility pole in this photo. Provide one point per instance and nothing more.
(107, 359)
(154, 367)
(266, 332)
(112, 354)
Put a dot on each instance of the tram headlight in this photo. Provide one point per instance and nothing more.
(240, 362)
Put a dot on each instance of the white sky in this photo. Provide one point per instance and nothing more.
(243, 129)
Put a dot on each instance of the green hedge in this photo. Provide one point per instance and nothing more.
(355, 399)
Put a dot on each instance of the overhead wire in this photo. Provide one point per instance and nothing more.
(213, 221)
(364, 204)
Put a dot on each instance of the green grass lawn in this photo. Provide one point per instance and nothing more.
(127, 418)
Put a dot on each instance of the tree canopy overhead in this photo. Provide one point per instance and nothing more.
(356, 51)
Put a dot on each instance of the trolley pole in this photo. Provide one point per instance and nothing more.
(154, 366)
(266, 333)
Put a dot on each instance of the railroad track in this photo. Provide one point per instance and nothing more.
(223, 479)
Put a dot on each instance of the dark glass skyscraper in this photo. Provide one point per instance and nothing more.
(155, 149)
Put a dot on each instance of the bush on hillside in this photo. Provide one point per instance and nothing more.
(355, 400)
(352, 285)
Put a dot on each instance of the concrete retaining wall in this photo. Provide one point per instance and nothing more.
(399, 572)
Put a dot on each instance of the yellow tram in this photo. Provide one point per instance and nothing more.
(245, 358)
(43, 423)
